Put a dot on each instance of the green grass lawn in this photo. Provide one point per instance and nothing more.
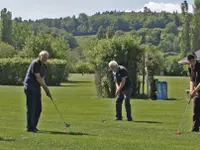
(154, 129)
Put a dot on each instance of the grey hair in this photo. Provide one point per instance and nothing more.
(113, 63)
(43, 53)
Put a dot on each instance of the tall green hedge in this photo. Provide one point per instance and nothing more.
(13, 71)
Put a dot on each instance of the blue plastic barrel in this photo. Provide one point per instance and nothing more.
(159, 90)
(164, 90)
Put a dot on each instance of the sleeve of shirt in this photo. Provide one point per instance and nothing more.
(114, 79)
(124, 73)
(45, 71)
(189, 70)
(36, 67)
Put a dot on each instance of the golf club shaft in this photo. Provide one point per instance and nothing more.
(180, 125)
(109, 109)
(57, 110)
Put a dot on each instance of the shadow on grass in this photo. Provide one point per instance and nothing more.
(6, 140)
(171, 99)
(68, 85)
(78, 82)
(156, 122)
(71, 84)
(64, 133)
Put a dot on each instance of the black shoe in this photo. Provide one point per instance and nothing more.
(194, 130)
(29, 130)
(33, 130)
(36, 130)
(129, 119)
(118, 119)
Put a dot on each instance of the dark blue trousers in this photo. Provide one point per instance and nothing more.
(196, 113)
(33, 108)
(123, 95)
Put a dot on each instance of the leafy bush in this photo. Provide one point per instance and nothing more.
(6, 50)
(83, 67)
(57, 47)
(13, 71)
(154, 59)
(172, 68)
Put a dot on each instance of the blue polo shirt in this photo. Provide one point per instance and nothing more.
(30, 82)
(121, 73)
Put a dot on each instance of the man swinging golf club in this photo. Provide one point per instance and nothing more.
(33, 80)
(194, 71)
(123, 89)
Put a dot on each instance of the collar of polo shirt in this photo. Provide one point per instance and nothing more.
(116, 71)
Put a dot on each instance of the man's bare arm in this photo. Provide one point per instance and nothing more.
(117, 86)
(122, 83)
(191, 86)
(197, 88)
(41, 82)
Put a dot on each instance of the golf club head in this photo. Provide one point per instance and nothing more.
(103, 120)
(67, 125)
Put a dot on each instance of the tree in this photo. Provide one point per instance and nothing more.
(84, 23)
(185, 40)
(101, 34)
(172, 68)
(171, 28)
(57, 47)
(147, 10)
(125, 50)
(7, 51)
(18, 19)
(121, 24)
(20, 32)
(38, 28)
(110, 32)
(71, 25)
(177, 19)
(197, 4)
(195, 30)
(87, 25)
(167, 43)
(119, 33)
(153, 37)
(176, 47)
(153, 64)
(6, 17)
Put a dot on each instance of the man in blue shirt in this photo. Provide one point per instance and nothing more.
(123, 89)
(33, 81)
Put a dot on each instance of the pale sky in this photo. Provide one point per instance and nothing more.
(37, 9)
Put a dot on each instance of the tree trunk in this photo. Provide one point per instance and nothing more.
(98, 82)
(150, 81)
(143, 75)
(151, 87)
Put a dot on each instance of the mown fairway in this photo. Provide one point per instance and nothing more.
(155, 125)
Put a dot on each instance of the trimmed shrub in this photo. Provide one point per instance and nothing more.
(80, 66)
(13, 71)
(7, 51)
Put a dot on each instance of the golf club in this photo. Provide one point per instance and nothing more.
(180, 125)
(108, 111)
(66, 124)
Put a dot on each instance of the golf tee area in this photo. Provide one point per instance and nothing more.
(154, 125)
